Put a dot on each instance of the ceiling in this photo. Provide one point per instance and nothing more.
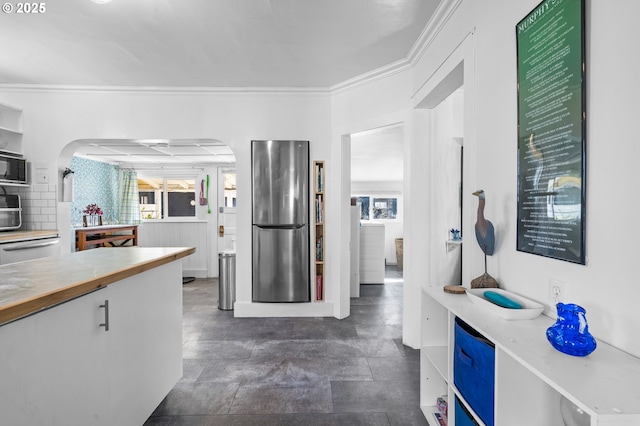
(208, 43)
(214, 44)
(377, 155)
(157, 152)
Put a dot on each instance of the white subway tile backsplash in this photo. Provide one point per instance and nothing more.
(39, 206)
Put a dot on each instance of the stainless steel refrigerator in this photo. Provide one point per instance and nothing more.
(280, 193)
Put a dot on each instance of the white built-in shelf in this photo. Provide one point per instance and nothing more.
(319, 283)
(10, 129)
(531, 376)
(438, 355)
(451, 244)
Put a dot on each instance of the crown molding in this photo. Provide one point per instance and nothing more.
(163, 90)
(441, 16)
(371, 76)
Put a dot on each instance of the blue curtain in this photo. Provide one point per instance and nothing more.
(130, 200)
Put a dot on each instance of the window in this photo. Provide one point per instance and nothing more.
(364, 207)
(177, 194)
(385, 208)
(377, 208)
(229, 189)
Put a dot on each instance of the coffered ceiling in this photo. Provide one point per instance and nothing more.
(157, 152)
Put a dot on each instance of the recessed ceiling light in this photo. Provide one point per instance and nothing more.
(101, 1)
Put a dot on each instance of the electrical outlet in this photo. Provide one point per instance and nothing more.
(558, 292)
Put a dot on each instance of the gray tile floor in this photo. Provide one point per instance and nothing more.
(295, 371)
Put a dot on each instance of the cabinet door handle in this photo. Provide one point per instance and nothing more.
(105, 324)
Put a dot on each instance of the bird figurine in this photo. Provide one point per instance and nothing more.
(484, 229)
(485, 235)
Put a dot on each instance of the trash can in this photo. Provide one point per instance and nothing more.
(226, 280)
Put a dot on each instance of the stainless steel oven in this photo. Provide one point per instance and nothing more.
(20, 251)
(10, 212)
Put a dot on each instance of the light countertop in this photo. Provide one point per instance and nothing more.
(27, 287)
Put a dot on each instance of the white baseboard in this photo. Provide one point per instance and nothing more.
(262, 310)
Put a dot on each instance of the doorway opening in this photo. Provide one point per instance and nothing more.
(376, 189)
(173, 203)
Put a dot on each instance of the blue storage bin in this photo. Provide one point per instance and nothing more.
(463, 418)
(474, 370)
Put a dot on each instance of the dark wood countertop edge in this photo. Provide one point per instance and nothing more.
(14, 311)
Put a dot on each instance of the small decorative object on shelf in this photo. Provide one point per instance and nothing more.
(570, 334)
(454, 289)
(486, 239)
(92, 215)
(442, 404)
(455, 234)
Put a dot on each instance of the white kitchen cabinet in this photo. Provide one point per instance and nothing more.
(10, 129)
(60, 366)
(530, 375)
(372, 261)
(144, 342)
(53, 366)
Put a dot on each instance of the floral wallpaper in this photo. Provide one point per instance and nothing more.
(98, 183)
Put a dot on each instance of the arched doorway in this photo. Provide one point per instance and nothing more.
(174, 176)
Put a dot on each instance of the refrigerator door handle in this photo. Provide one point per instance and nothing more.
(292, 226)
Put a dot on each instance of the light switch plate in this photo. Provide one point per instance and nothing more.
(41, 176)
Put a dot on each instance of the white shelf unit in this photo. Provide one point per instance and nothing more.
(10, 129)
(531, 376)
(452, 244)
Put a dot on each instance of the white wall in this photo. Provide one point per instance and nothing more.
(55, 118)
(606, 285)
(180, 234)
(445, 191)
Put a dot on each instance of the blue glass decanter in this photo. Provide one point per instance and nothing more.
(570, 334)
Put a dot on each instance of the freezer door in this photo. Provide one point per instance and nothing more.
(281, 264)
(280, 176)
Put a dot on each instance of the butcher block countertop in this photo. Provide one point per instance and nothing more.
(27, 287)
(13, 236)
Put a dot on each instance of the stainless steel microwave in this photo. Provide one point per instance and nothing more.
(13, 169)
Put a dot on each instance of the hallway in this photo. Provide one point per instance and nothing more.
(295, 371)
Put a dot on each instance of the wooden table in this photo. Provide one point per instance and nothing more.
(101, 235)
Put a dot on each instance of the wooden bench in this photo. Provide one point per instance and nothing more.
(101, 236)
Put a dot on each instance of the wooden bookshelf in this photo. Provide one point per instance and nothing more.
(319, 253)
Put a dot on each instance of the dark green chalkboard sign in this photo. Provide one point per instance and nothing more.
(551, 131)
